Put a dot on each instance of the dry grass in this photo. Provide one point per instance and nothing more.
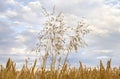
(65, 72)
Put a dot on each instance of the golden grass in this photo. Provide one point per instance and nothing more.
(66, 72)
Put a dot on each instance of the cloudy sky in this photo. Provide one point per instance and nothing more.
(21, 20)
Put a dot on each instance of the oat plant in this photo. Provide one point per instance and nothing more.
(57, 38)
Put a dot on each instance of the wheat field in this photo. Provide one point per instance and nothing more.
(65, 72)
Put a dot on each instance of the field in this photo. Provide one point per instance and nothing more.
(63, 72)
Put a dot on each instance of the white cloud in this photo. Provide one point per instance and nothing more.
(102, 51)
(35, 6)
(13, 2)
(21, 38)
(10, 13)
(18, 50)
(103, 57)
(22, 23)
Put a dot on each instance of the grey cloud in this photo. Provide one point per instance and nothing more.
(3, 6)
(81, 8)
(9, 32)
(6, 36)
(31, 20)
(5, 29)
(110, 41)
(30, 39)
(24, 13)
(89, 55)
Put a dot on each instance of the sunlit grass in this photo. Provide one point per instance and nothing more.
(65, 72)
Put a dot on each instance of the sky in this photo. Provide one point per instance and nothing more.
(22, 20)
